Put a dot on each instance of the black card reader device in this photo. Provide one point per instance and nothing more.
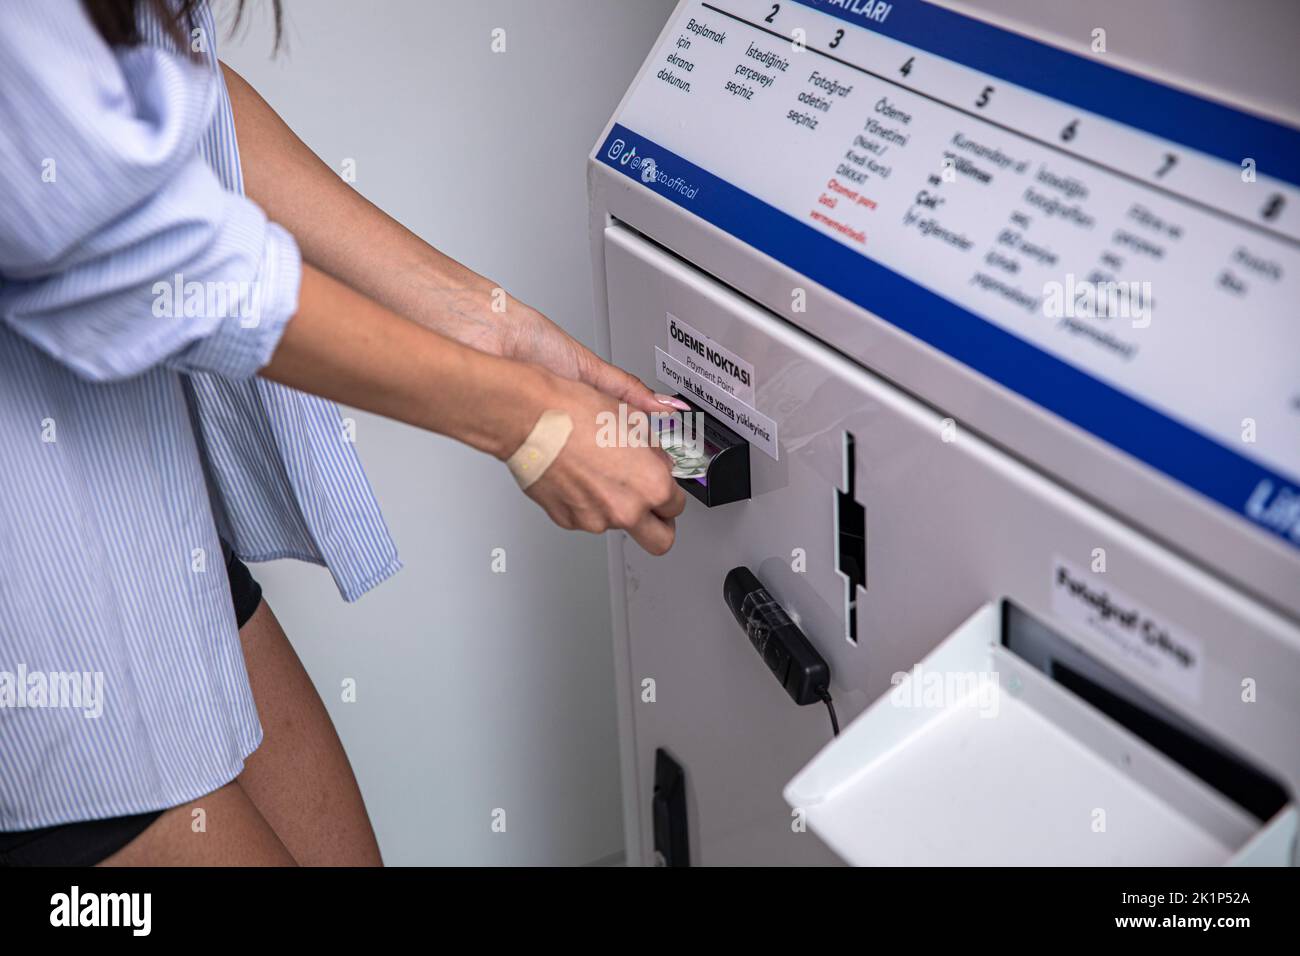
(785, 650)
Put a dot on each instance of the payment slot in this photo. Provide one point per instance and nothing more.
(710, 461)
(1009, 744)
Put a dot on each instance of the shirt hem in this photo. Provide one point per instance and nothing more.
(353, 591)
(155, 805)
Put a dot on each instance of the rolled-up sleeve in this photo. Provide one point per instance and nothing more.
(119, 248)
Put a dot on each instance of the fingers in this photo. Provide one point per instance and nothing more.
(653, 533)
(625, 387)
(630, 389)
(647, 515)
(656, 528)
(674, 504)
(672, 402)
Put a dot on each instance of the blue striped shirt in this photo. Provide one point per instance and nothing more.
(134, 432)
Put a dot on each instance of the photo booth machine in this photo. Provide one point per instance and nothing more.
(990, 310)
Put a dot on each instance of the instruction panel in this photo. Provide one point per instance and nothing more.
(1123, 253)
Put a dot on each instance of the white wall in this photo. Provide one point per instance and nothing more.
(476, 690)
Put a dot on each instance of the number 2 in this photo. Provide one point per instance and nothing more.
(776, 8)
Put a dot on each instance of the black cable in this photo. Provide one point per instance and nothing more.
(825, 695)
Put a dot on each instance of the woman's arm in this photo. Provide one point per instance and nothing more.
(340, 232)
(121, 253)
(109, 215)
(345, 347)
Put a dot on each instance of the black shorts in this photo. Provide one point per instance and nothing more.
(87, 842)
(245, 592)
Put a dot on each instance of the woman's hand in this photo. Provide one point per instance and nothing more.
(485, 317)
(529, 336)
(348, 348)
(588, 487)
(596, 486)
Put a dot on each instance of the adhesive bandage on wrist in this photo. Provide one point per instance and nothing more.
(540, 448)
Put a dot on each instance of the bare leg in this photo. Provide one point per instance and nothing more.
(233, 833)
(300, 779)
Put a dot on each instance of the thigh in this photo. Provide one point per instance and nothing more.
(300, 779)
(229, 832)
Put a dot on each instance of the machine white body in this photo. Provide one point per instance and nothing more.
(864, 253)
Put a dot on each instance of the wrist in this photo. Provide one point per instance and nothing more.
(464, 306)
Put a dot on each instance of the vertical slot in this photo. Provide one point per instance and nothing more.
(850, 540)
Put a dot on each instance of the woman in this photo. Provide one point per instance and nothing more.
(167, 298)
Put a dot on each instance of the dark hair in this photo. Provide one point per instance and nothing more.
(116, 19)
